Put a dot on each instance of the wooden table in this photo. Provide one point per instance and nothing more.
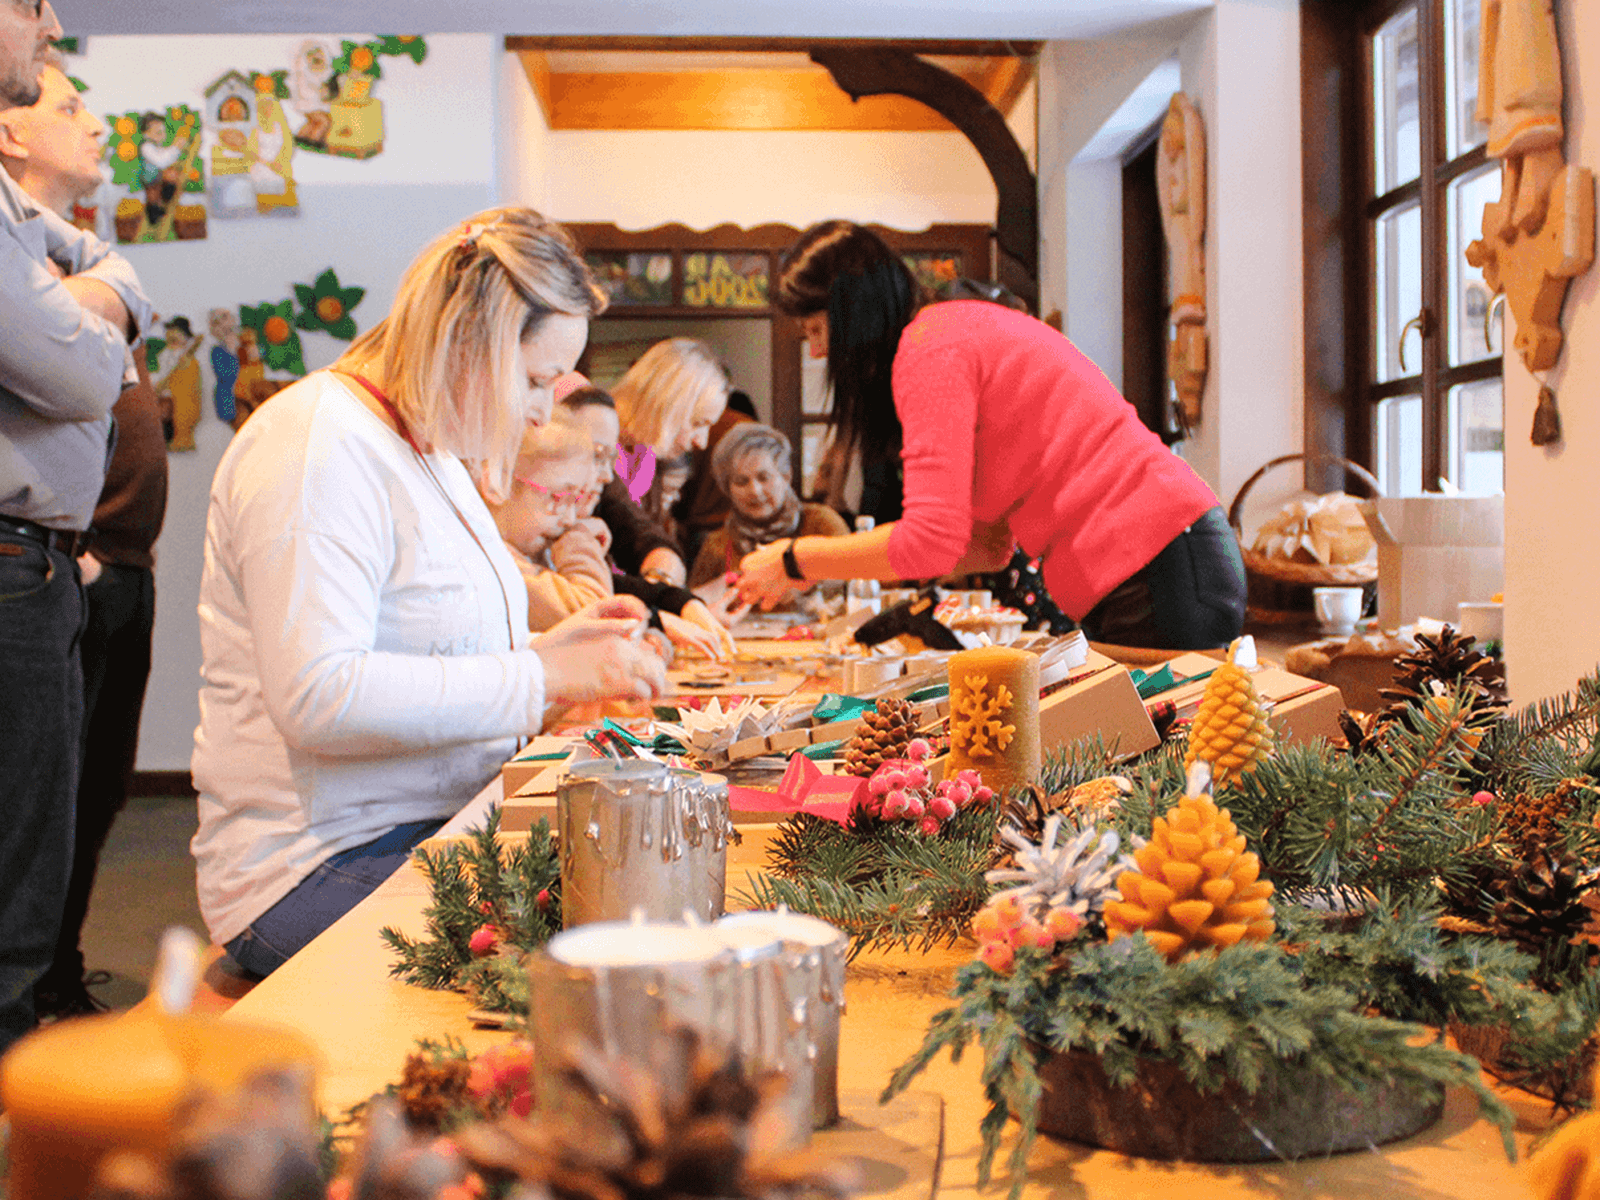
(338, 993)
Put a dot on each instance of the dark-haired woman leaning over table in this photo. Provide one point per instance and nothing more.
(1007, 435)
(367, 666)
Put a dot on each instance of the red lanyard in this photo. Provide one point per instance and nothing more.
(388, 406)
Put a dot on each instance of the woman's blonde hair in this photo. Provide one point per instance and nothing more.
(450, 348)
(658, 395)
(551, 443)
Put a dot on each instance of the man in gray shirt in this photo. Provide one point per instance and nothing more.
(69, 309)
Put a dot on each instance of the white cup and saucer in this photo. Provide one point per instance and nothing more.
(1338, 609)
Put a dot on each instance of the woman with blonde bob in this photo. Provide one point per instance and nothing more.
(666, 403)
(367, 665)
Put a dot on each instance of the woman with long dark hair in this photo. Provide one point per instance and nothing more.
(1004, 434)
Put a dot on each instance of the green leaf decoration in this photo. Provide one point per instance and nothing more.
(358, 58)
(270, 83)
(325, 306)
(77, 84)
(152, 351)
(411, 45)
(122, 147)
(274, 326)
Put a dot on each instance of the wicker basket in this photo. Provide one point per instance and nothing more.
(1279, 590)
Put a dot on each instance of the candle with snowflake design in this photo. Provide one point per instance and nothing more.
(994, 715)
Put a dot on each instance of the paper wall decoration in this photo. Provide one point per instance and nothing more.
(325, 306)
(224, 326)
(252, 159)
(275, 338)
(312, 88)
(156, 156)
(175, 373)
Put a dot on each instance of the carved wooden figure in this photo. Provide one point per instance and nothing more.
(1540, 233)
(1181, 185)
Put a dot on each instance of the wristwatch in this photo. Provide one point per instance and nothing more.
(656, 575)
(791, 566)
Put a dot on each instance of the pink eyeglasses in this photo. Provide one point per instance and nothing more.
(570, 498)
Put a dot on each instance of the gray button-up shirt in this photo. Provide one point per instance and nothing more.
(61, 367)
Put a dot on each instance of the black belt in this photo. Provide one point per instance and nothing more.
(71, 542)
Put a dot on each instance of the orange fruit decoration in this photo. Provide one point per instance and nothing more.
(330, 309)
(1196, 885)
(276, 330)
(1230, 731)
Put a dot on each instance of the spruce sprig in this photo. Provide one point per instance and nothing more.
(476, 881)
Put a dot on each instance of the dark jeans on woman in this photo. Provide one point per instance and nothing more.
(322, 897)
(1190, 596)
(116, 666)
(41, 716)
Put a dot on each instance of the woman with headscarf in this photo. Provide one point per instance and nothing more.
(752, 466)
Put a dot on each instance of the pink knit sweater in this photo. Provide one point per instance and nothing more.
(1005, 420)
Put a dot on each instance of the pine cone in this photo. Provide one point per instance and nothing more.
(885, 733)
(1196, 886)
(1542, 902)
(432, 1088)
(1530, 823)
(1230, 730)
(1451, 660)
(695, 1124)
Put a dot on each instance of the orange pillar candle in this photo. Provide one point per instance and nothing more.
(93, 1086)
(994, 715)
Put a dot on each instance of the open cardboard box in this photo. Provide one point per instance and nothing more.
(1097, 699)
(1300, 709)
(1435, 552)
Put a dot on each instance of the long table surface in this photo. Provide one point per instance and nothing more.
(338, 993)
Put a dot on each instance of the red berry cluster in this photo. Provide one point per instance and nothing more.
(901, 790)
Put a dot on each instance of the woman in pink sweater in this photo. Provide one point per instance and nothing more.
(1005, 434)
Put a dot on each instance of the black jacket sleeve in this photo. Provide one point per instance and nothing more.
(660, 597)
(633, 533)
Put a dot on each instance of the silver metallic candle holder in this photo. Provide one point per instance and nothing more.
(639, 838)
(813, 959)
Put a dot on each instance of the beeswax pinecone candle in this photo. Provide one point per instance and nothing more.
(1196, 885)
(1230, 731)
(884, 735)
(994, 716)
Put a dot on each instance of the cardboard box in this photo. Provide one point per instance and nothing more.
(1300, 709)
(1098, 699)
(534, 760)
(1435, 552)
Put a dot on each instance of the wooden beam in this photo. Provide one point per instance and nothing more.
(536, 65)
(1006, 80)
(733, 99)
(967, 46)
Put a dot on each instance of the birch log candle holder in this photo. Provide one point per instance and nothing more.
(994, 716)
(639, 838)
(814, 954)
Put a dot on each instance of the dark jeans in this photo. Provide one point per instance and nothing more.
(116, 667)
(41, 716)
(1190, 596)
(322, 897)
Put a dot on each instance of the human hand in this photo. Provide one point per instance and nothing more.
(599, 653)
(699, 615)
(686, 635)
(663, 566)
(598, 529)
(728, 606)
(88, 568)
(762, 579)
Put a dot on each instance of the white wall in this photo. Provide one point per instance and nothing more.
(523, 138)
(365, 219)
(1552, 570)
(1240, 63)
(702, 178)
(1241, 67)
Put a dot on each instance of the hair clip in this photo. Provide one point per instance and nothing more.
(470, 235)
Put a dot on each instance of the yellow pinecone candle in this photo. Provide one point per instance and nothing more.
(994, 715)
(1230, 732)
(1196, 885)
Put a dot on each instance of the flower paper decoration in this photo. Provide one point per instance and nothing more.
(280, 344)
(271, 83)
(359, 58)
(325, 306)
(410, 44)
